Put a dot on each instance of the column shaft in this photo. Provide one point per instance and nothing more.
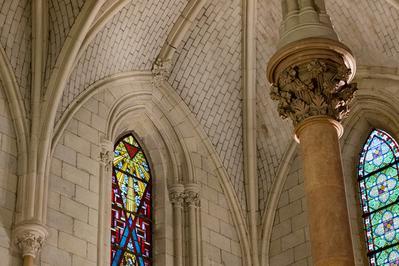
(193, 234)
(292, 5)
(306, 4)
(28, 260)
(192, 201)
(325, 192)
(178, 237)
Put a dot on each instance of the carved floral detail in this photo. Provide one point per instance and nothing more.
(176, 197)
(106, 159)
(160, 71)
(30, 243)
(191, 198)
(314, 88)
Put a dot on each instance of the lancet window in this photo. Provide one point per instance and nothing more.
(131, 223)
(378, 174)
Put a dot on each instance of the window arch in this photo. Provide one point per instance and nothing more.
(131, 223)
(378, 177)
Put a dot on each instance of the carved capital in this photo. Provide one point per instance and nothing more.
(312, 89)
(160, 71)
(106, 159)
(176, 194)
(176, 198)
(191, 198)
(311, 78)
(191, 195)
(106, 154)
(29, 238)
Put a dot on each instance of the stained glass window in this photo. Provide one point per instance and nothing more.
(131, 225)
(379, 190)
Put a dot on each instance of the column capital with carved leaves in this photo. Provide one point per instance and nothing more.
(192, 195)
(311, 78)
(29, 238)
(106, 154)
(176, 194)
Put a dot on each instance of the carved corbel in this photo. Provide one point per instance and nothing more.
(160, 71)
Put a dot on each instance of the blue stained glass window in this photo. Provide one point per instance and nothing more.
(131, 224)
(378, 176)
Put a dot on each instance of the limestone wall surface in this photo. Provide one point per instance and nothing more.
(8, 182)
(72, 217)
(290, 236)
(74, 192)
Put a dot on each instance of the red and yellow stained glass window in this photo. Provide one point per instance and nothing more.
(378, 174)
(131, 225)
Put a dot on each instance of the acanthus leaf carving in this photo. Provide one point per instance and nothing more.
(191, 198)
(314, 88)
(30, 244)
(176, 197)
(29, 238)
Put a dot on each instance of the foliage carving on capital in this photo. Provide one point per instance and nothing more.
(106, 159)
(176, 194)
(191, 198)
(106, 154)
(314, 88)
(30, 238)
(176, 197)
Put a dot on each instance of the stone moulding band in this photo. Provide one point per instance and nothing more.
(306, 50)
(318, 120)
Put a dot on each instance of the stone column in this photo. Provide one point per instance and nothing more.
(103, 243)
(325, 192)
(176, 196)
(29, 238)
(310, 82)
(192, 200)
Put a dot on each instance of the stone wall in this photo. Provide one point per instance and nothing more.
(220, 240)
(72, 217)
(290, 236)
(73, 210)
(8, 182)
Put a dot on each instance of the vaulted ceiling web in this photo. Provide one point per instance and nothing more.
(369, 28)
(207, 75)
(273, 133)
(15, 36)
(131, 40)
(62, 15)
